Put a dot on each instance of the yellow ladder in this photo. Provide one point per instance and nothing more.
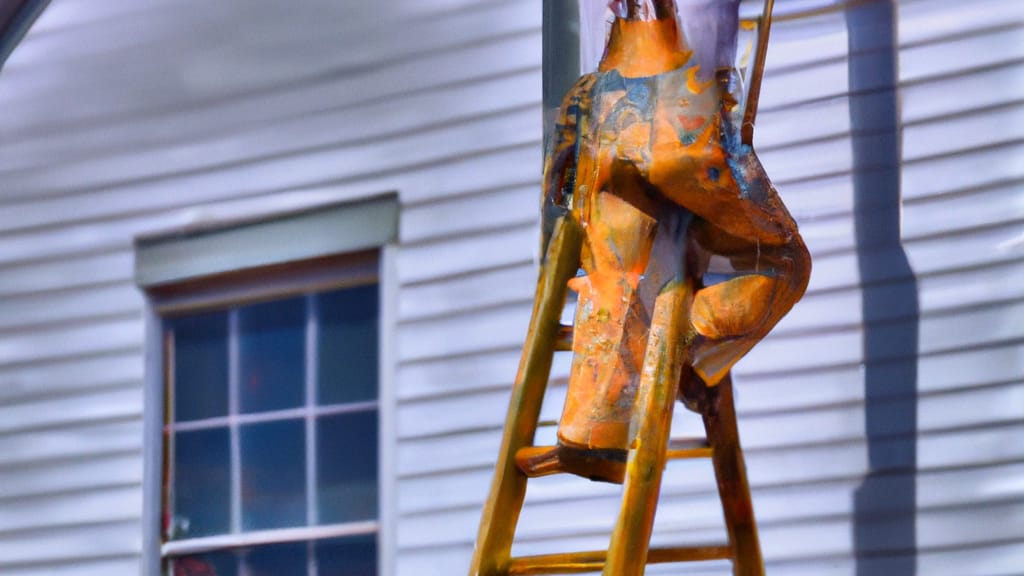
(629, 550)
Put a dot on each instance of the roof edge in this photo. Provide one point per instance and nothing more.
(14, 28)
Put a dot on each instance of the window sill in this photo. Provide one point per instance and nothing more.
(301, 534)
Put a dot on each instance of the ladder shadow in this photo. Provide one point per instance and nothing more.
(884, 506)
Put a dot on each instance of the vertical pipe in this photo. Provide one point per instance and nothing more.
(561, 61)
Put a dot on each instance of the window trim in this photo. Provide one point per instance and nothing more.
(362, 252)
(231, 246)
(274, 536)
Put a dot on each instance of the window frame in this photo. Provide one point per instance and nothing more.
(356, 256)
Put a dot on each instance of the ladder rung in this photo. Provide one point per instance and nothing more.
(581, 562)
(563, 342)
(688, 448)
(535, 461)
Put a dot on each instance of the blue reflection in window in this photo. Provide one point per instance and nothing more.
(347, 461)
(272, 355)
(347, 556)
(348, 345)
(200, 366)
(273, 475)
(222, 563)
(278, 560)
(201, 490)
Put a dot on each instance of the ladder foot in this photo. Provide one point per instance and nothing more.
(607, 465)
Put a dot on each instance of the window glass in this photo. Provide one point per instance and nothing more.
(202, 484)
(271, 346)
(347, 461)
(280, 560)
(349, 556)
(238, 447)
(347, 364)
(273, 475)
(222, 563)
(200, 366)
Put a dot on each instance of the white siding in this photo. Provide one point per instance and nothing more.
(120, 119)
(963, 187)
(802, 411)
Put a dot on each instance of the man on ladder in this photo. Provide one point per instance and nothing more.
(651, 172)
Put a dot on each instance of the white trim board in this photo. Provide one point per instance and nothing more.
(335, 229)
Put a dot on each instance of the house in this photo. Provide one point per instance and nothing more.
(168, 167)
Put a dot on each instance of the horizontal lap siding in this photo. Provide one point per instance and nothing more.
(963, 184)
(457, 358)
(801, 393)
(441, 102)
(110, 136)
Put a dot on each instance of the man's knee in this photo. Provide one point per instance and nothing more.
(736, 307)
(732, 316)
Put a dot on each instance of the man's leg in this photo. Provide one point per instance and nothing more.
(734, 315)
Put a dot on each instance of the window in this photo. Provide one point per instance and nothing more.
(264, 408)
(271, 435)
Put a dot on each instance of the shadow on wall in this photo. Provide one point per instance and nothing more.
(885, 538)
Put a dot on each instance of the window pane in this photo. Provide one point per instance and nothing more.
(272, 355)
(347, 467)
(273, 475)
(200, 366)
(209, 564)
(277, 560)
(347, 556)
(201, 484)
(348, 345)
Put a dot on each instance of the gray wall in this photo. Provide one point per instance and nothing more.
(119, 119)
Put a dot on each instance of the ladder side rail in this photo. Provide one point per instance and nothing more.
(757, 74)
(508, 488)
(731, 475)
(652, 421)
